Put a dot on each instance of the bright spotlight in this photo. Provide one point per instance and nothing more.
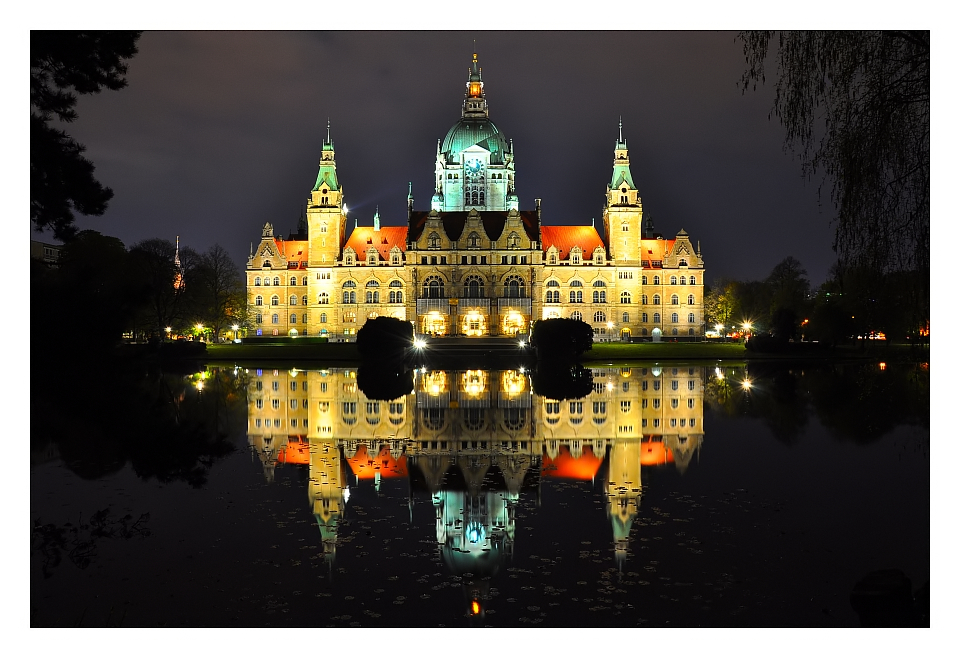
(523, 343)
(746, 384)
(419, 343)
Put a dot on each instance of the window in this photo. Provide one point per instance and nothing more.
(690, 300)
(258, 300)
(275, 300)
(395, 258)
(693, 281)
(625, 406)
(643, 318)
(673, 280)
(683, 280)
(576, 407)
(625, 317)
(433, 288)
(691, 318)
(644, 299)
(576, 315)
(514, 287)
(674, 318)
(513, 241)
(396, 297)
(656, 318)
(674, 299)
(643, 279)
(433, 242)
(293, 318)
(323, 318)
(656, 280)
(276, 281)
(656, 300)
(275, 319)
(599, 316)
(599, 407)
(293, 281)
(674, 385)
(275, 403)
(473, 287)
(674, 331)
(575, 256)
(259, 404)
(266, 281)
(625, 297)
(323, 298)
(256, 281)
(552, 258)
(473, 242)
(553, 295)
(259, 318)
(599, 296)
(625, 275)
(293, 300)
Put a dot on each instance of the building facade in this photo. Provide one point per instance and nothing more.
(475, 264)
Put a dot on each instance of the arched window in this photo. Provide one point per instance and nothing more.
(625, 297)
(293, 300)
(576, 315)
(372, 257)
(513, 241)
(473, 242)
(599, 296)
(553, 292)
(293, 318)
(433, 288)
(683, 280)
(625, 317)
(304, 300)
(656, 300)
(473, 287)
(323, 298)
(644, 299)
(656, 280)
(674, 332)
(576, 296)
(256, 281)
(259, 318)
(293, 281)
(275, 319)
(643, 317)
(690, 333)
(258, 300)
(266, 281)
(673, 280)
(275, 300)
(691, 318)
(514, 287)
(373, 284)
(674, 299)
(373, 296)
(396, 297)
(693, 281)
(674, 318)
(323, 318)
(690, 300)
(276, 281)
(349, 294)
(643, 332)
(643, 279)
(433, 242)
(575, 256)
(599, 316)
(656, 318)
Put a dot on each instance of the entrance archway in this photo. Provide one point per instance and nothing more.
(656, 335)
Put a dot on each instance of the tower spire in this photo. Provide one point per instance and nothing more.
(376, 219)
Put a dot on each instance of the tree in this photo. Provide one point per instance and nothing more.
(721, 303)
(856, 107)
(219, 283)
(164, 285)
(62, 65)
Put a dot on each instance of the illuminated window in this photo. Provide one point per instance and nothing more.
(690, 300)
(643, 279)
(625, 317)
(656, 318)
(625, 297)
(674, 318)
(323, 318)
(656, 300)
(256, 281)
(693, 281)
(656, 280)
(259, 318)
(599, 316)
(293, 300)
(691, 318)
(643, 318)
(275, 300)
(293, 318)
(673, 280)
(275, 319)
(576, 315)
(258, 301)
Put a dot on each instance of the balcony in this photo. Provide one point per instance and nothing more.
(474, 304)
(425, 306)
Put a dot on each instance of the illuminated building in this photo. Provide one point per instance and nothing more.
(475, 264)
(475, 441)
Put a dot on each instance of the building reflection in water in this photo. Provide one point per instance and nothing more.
(476, 440)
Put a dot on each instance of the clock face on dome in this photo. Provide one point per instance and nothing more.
(474, 166)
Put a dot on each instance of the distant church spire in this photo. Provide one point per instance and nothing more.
(376, 219)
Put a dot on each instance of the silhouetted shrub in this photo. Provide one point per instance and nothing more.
(561, 338)
(559, 381)
(382, 382)
(384, 337)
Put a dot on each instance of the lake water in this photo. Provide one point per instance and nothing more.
(673, 494)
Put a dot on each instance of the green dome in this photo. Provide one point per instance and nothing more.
(468, 132)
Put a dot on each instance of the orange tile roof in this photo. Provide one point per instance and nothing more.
(565, 466)
(366, 467)
(653, 453)
(655, 249)
(293, 250)
(296, 452)
(564, 238)
(364, 237)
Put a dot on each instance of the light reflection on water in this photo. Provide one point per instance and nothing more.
(610, 509)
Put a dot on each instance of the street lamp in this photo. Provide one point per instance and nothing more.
(200, 330)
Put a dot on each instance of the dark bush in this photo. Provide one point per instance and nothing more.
(384, 338)
(561, 338)
(384, 382)
(562, 381)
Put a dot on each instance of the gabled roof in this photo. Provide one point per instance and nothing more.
(566, 466)
(565, 238)
(296, 251)
(655, 249)
(493, 222)
(388, 237)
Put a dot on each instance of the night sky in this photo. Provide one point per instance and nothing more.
(219, 132)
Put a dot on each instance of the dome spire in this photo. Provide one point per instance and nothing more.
(474, 103)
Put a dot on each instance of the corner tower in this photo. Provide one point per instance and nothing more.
(326, 221)
(474, 168)
(623, 211)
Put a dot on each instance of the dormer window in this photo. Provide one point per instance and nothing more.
(473, 242)
(513, 241)
(575, 256)
(433, 242)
